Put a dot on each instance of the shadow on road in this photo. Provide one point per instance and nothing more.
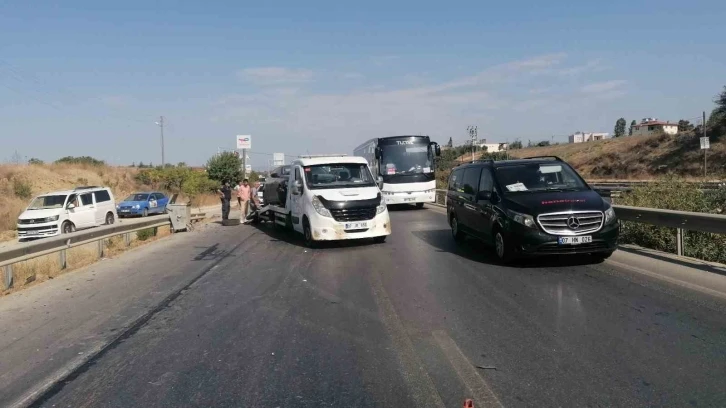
(477, 251)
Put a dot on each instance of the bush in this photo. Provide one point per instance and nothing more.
(144, 234)
(22, 188)
(676, 194)
(80, 160)
(35, 161)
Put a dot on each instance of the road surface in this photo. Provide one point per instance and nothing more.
(417, 321)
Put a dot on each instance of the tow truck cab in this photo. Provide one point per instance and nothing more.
(334, 198)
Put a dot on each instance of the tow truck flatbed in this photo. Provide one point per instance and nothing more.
(273, 213)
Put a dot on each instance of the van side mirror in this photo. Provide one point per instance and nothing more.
(274, 175)
(379, 181)
(378, 152)
(484, 195)
(70, 206)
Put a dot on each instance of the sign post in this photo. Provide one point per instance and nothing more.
(244, 142)
(278, 159)
(705, 145)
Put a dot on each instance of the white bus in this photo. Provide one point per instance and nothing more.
(404, 167)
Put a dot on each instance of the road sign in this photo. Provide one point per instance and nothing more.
(248, 167)
(705, 143)
(278, 159)
(244, 141)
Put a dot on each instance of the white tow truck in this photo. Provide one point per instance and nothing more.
(328, 198)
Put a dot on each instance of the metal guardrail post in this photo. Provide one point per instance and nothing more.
(679, 241)
(101, 247)
(63, 259)
(8, 281)
(127, 239)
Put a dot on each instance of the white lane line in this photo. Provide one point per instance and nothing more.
(481, 392)
(417, 378)
(674, 281)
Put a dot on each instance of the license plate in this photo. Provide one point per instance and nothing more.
(574, 240)
(356, 225)
(409, 199)
(31, 232)
(125, 211)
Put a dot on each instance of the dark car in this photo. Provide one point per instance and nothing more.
(530, 207)
(275, 188)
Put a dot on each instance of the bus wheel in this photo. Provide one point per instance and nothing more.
(419, 205)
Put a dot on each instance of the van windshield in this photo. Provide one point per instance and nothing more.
(339, 175)
(47, 202)
(538, 177)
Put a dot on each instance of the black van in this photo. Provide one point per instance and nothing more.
(530, 207)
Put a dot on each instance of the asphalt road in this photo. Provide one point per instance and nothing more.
(406, 323)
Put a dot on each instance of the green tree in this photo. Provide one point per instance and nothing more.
(716, 124)
(35, 161)
(543, 143)
(517, 144)
(684, 126)
(225, 167)
(451, 142)
(620, 127)
(196, 184)
(632, 126)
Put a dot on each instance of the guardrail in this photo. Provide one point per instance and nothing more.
(680, 220)
(29, 250)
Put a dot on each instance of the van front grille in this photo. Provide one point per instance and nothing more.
(571, 223)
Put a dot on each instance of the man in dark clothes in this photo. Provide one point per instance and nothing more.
(225, 193)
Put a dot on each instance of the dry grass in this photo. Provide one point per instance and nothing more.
(637, 158)
(51, 177)
(48, 267)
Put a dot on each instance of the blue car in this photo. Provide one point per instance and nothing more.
(142, 204)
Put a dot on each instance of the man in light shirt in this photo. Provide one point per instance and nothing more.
(243, 197)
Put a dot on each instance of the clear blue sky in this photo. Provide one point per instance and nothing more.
(90, 78)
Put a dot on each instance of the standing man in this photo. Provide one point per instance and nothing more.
(225, 194)
(243, 195)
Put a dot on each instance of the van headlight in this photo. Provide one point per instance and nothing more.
(381, 207)
(51, 219)
(524, 219)
(319, 208)
(610, 216)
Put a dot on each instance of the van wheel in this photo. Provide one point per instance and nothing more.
(379, 240)
(456, 229)
(68, 227)
(110, 219)
(419, 205)
(309, 241)
(145, 213)
(503, 247)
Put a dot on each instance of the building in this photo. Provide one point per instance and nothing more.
(650, 126)
(582, 137)
(494, 147)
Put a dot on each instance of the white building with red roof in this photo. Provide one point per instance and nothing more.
(650, 126)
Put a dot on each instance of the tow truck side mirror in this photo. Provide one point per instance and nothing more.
(297, 187)
(379, 181)
(437, 149)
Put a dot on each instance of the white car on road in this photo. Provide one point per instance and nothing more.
(62, 212)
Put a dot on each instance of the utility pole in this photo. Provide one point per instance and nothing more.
(473, 137)
(704, 150)
(161, 127)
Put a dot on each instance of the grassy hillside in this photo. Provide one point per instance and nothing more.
(19, 183)
(635, 158)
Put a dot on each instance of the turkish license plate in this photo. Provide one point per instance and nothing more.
(125, 211)
(356, 225)
(585, 239)
(409, 199)
(31, 232)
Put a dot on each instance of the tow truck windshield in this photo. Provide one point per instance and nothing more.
(344, 175)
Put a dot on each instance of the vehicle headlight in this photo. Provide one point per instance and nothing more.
(523, 219)
(137, 206)
(319, 208)
(381, 207)
(610, 216)
(51, 219)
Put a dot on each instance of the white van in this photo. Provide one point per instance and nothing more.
(332, 198)
(62, 212)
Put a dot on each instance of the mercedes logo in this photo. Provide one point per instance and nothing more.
(573, 222)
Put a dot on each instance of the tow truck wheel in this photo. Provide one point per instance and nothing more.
(379, 240)
(309, 241)
(419, 205)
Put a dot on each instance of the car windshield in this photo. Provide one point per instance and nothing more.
(46, 202)
(137, 197)
(406, 159)
(343, 175)
(538, 177)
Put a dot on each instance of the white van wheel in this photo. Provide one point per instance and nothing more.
(110, 219)
(68, 227)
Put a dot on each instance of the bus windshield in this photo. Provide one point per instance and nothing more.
(406, 159)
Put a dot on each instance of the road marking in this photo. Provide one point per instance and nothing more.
(481, 393)
(674, 281)
(419, 383)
